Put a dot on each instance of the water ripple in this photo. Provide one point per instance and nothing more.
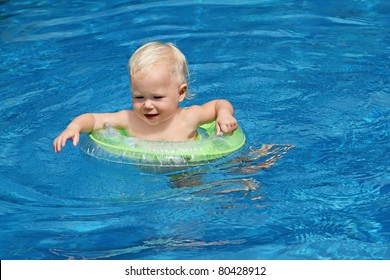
(298, 73)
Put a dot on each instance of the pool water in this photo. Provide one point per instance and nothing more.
(310, 84)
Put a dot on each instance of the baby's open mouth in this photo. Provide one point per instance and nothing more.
(151, 116)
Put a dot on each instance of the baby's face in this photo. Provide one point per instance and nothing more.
(156, 95)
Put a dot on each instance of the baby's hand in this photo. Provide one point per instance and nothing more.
(225, 123)
(67, 134)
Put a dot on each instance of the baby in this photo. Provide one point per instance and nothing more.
(158, 73)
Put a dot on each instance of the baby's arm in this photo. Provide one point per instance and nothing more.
(225, 121)
(87, 123)
(81, 124)
(221, 111)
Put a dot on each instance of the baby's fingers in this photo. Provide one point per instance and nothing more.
(229, 127)
(76, 139)
(57, 144)
(223, 128)
(60, 141)
(218, 129)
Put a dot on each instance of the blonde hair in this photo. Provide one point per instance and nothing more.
(153, 53)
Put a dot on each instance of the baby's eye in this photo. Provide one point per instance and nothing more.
(138, 97)
(158, 97)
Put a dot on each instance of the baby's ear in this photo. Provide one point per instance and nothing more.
(182, 92)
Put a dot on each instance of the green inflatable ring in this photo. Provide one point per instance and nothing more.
(115, 145)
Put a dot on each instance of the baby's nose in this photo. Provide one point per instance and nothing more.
(148, 104)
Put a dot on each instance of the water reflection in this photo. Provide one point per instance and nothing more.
(250, 162)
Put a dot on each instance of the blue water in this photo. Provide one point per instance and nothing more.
(313, 75)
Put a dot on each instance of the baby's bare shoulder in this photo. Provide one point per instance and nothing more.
(125, 114)
(192, 109)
